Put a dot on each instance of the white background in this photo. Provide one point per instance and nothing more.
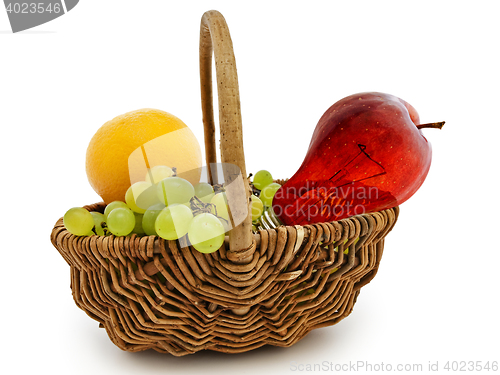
(435, 297)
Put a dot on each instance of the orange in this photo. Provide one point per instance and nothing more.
(121, 151)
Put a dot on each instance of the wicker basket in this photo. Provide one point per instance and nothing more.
(272, 287)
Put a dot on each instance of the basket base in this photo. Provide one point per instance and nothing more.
(130, 334)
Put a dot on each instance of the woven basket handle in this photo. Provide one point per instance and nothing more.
(215, 37)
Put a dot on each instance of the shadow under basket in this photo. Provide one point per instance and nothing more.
(271, 287)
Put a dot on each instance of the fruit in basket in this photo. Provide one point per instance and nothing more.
(174, 190)
(366, 154)
(78, 221)
(206, 233)
(99, 220)
(158, 173)
(138, 224)
(204, 191)
(220, 209)
(123, 149)
(257, 207)
(140, 196)
(149, 219)
(110, 207)
(173, 221)
(121, 221)
(267, 194)
(261, 179)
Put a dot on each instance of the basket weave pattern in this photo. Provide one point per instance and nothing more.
(270, 287)
(289, 287)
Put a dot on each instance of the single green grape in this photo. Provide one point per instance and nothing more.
(121, 221)
(78, 221)
(204, 191)
(110, 207)
(173, 190)
(173, 221)
(158, 173)
(261, 179)
(206, 233)
(267, 194)
(140, 196)
(187, 204)
(98, 220)
(220, 202)
(138, 224)
(257, 207)
(149, 219)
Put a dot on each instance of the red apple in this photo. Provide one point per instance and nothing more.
(367, 154)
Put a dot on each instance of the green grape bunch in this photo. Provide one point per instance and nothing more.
(171, 208)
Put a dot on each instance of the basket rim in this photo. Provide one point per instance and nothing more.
(382, 217)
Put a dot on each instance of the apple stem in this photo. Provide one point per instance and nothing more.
(434, 125)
